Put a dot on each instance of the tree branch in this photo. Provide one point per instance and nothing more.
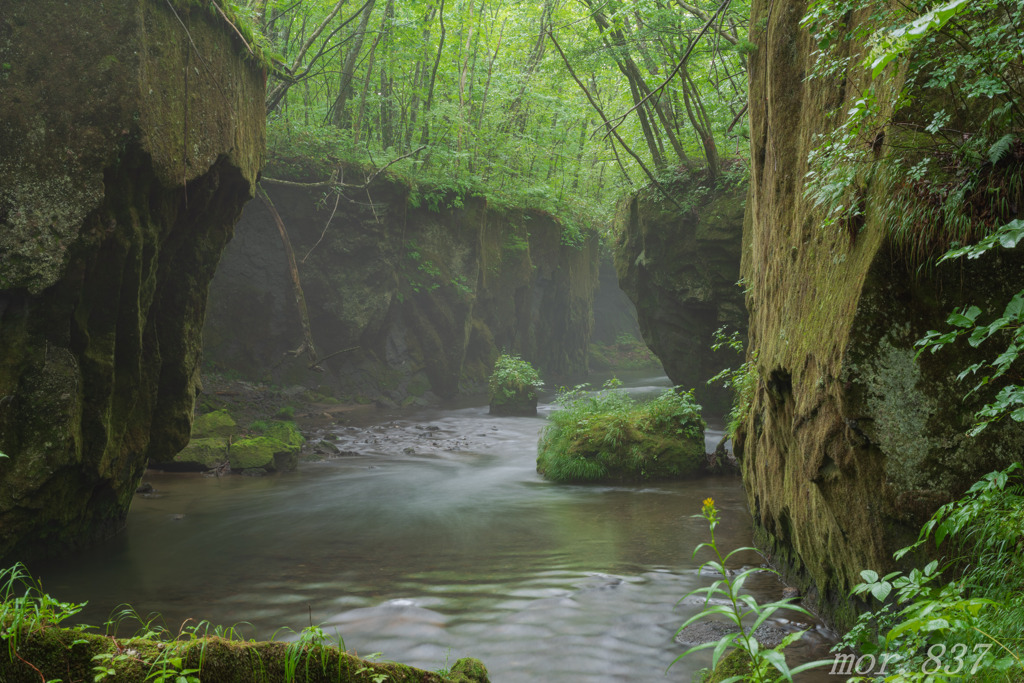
(604, 118)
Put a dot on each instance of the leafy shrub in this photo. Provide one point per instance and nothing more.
(608, 435)
(1009, 328)
(962, 615)
(512, 376)
(742, 380)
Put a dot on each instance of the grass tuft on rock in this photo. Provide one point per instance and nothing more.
(609, 436)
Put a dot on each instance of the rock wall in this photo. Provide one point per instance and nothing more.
(420, 302)
(127, 149)
(680, 269)
(851, 443)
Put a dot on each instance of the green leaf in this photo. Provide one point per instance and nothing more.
(1015, 309)
(881, 591)
(1000, 148)
(1011, 234)
(964, 318)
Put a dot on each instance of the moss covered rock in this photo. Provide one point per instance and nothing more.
(512, 387)
(116, 198)
(852, 442)
(680, 269)
(67, 654)
(610, 437)
(215, 423)
(286, 432)
(258, 452)
(202, 454)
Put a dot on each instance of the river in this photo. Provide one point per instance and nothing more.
(437, 541)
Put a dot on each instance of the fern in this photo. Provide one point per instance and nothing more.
(997, 151)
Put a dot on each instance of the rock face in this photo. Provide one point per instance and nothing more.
(119, 186)
(851, 443)
(680, 270)
(419, 301)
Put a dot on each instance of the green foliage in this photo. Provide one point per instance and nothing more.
(513, 376)
(742, 380)
(460, 100)
(1008, 328)
(609, 435)
(25, 607)
(968, 627)
(724, 598)
(285, 413)
(943, 138)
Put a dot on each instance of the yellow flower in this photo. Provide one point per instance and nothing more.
(709, 507)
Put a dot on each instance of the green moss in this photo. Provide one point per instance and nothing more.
(612, 438)
(69, 654)
(468, 670)
(256, 452)
(205, 452)
(736, 663)
(216, 423)
(286, 432)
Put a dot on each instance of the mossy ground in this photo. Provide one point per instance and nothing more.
(52, 653)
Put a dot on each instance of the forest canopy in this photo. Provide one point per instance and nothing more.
(557, 105)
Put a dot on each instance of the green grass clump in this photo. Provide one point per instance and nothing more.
(609, 436)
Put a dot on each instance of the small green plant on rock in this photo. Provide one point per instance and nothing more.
(512, 388)
(724, 598)
(25, 607)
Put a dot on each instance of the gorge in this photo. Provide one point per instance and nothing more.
(435, 186)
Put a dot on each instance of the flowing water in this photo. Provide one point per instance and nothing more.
(437, 541)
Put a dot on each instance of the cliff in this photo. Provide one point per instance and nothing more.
(680, 267)
(418, 300)
(130, 137)
(851, 443)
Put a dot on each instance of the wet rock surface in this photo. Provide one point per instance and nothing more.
(115, 205)
(416, 304)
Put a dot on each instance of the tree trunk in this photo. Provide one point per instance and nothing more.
(341, 117)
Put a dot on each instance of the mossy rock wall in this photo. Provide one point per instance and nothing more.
(425, 300)
(680, 269)
(851, 444)
(119, 187)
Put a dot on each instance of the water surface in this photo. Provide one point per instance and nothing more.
(437, 541)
